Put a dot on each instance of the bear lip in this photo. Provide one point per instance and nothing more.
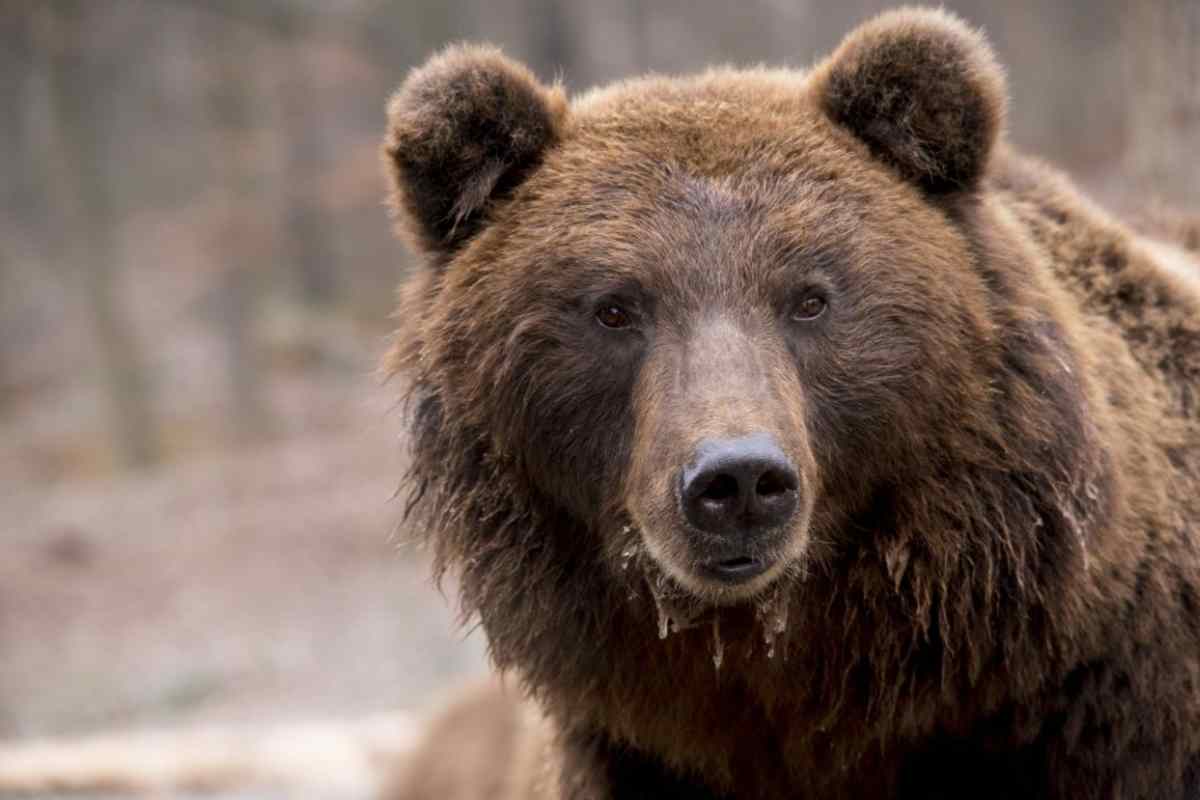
(714, 574)
(736, 570)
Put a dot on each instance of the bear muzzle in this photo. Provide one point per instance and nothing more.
(739, 495)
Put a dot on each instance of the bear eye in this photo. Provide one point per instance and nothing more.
(809, 308)
(611, 315)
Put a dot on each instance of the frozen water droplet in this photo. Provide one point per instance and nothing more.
(718, 645)
(627, 556)
(664, 619)
(773, 616)
(897, 559)
(676, 610)
(781, 616)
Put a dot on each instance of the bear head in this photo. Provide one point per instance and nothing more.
(713, 335)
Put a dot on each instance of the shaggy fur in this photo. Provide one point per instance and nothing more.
(990, 588)
(463, 128)
(927, 98)
(483, 745)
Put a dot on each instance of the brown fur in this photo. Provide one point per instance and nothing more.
(483, 745)
(991, 588)
(464, 126)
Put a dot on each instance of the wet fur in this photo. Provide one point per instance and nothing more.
(998, 596)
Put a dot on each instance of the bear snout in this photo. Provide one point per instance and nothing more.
(737, 492)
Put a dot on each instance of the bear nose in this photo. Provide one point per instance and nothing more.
(739, 486)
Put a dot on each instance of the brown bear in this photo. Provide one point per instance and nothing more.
(793, 437)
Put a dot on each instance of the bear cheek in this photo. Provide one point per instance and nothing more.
(649, 489)
(568, 423)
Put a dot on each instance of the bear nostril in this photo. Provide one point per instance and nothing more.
(739, 486)
(720, 489)
(775, 482)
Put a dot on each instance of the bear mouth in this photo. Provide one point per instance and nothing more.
(714, 575)
(734, 571)
(679, 608)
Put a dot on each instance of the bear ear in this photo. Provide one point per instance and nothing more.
(925, 93)
(464, 128)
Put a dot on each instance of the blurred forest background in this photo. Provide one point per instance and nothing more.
(196, 273)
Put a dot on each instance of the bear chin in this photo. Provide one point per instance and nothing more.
(672, 578)
(681, 601)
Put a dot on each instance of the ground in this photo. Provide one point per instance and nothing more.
(252, 589)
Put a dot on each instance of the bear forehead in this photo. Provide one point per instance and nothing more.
(688, 238)
(718, 146)
(709, 95)
(719, 123)
(661, 220)
(739, 160)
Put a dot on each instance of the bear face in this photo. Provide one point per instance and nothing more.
(705, 321)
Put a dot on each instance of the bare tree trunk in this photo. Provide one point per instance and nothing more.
(242, 237)
(239, 293)
(86, 218)
(1163, 62)
(306, 247)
